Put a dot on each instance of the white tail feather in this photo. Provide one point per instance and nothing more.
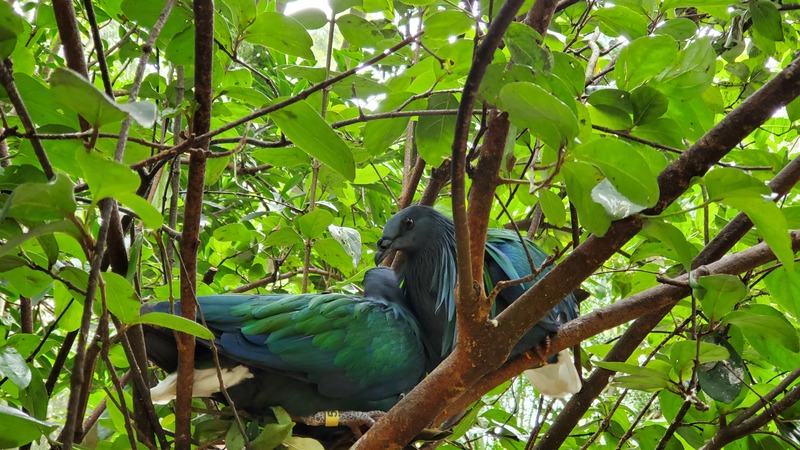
(556, 380)
(206, 383)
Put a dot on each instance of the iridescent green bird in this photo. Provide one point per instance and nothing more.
(306, 353)
(428, 276)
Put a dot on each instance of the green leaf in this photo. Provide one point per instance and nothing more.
(282, 33)
(552, 207)
(648, 105)
(302, 443)
(310, 18)
(285, 237)
(233, 232)
(313, 224)
(523, 43)
(303, 126)
(727, 182)
(62, 226)
(75, 92)
(651, 378)
(621, 21)
(624, 167)
(358, 32)
(282, 157)
(723, 381)
(547, 117)
(719, 294)
(691, 73)
(673, 238)
(150, 216)
(18, 428)
(28, 282)
(764, 326)
(444, 24)
(766, 19)
(106, 178)
(581, 178)
(41, 201)
(434, 134)
(770, 224)
(176, 323)
(680, 28)
(380, 134)
(683, 353)
(784, 287)
(10, 28)
(643, 59)
(121, 299)
(13, 366)
(608, 99)
(273, 434)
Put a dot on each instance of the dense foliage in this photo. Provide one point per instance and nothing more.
(325, 118)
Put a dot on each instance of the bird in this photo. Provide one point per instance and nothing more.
(307, 353)
(428, 277)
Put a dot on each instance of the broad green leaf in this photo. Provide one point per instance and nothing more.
(67, 307)
(723, 380)
(695, 3)
(653, 377)
(12, 243)
(683, 353)
(282, 33)
(338, 6)
(523, 43)
(770, 224)
(692, 71)
(176, 323)
(18, 428)
(727, 182)
(9, 262)
(673, 238)
(273, 434)
(719, 293)
(10, 28)
(303, 126)
(444, 24)
(434, 134)
(106, 178)
(766, 19)
(552, 207)
(624, 167)
(611, 99)
(121, 299)
(571, 70)
(764, 326)
(648, 105)
(233, 232)
(41, 201)
(13, 366)
(310, 18)
(612, 118)
(84, 98)
(180, 49)
(28, 282)
(332, 253)
(581, 178)
(380, 134)
(547, 118)
(358, 32)
(621, 21)
(680, 28)
(302, 443)
(643, 59)
(312, 225)
(784, 287)
(150, 216)
(285, 236)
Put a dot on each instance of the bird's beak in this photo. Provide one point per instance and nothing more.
(383, 250)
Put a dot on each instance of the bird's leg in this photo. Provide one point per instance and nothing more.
(351, 419)
(540, 352)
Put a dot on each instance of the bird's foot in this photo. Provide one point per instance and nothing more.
(351, 419)
(540, 352)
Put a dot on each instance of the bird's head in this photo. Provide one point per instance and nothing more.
(381, 282)
(411, 230)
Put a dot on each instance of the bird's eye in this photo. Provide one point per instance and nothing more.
(408, 223)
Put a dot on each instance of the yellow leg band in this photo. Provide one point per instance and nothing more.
(331, 418)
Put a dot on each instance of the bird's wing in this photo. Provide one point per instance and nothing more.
(349, 346)
(506, 259)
